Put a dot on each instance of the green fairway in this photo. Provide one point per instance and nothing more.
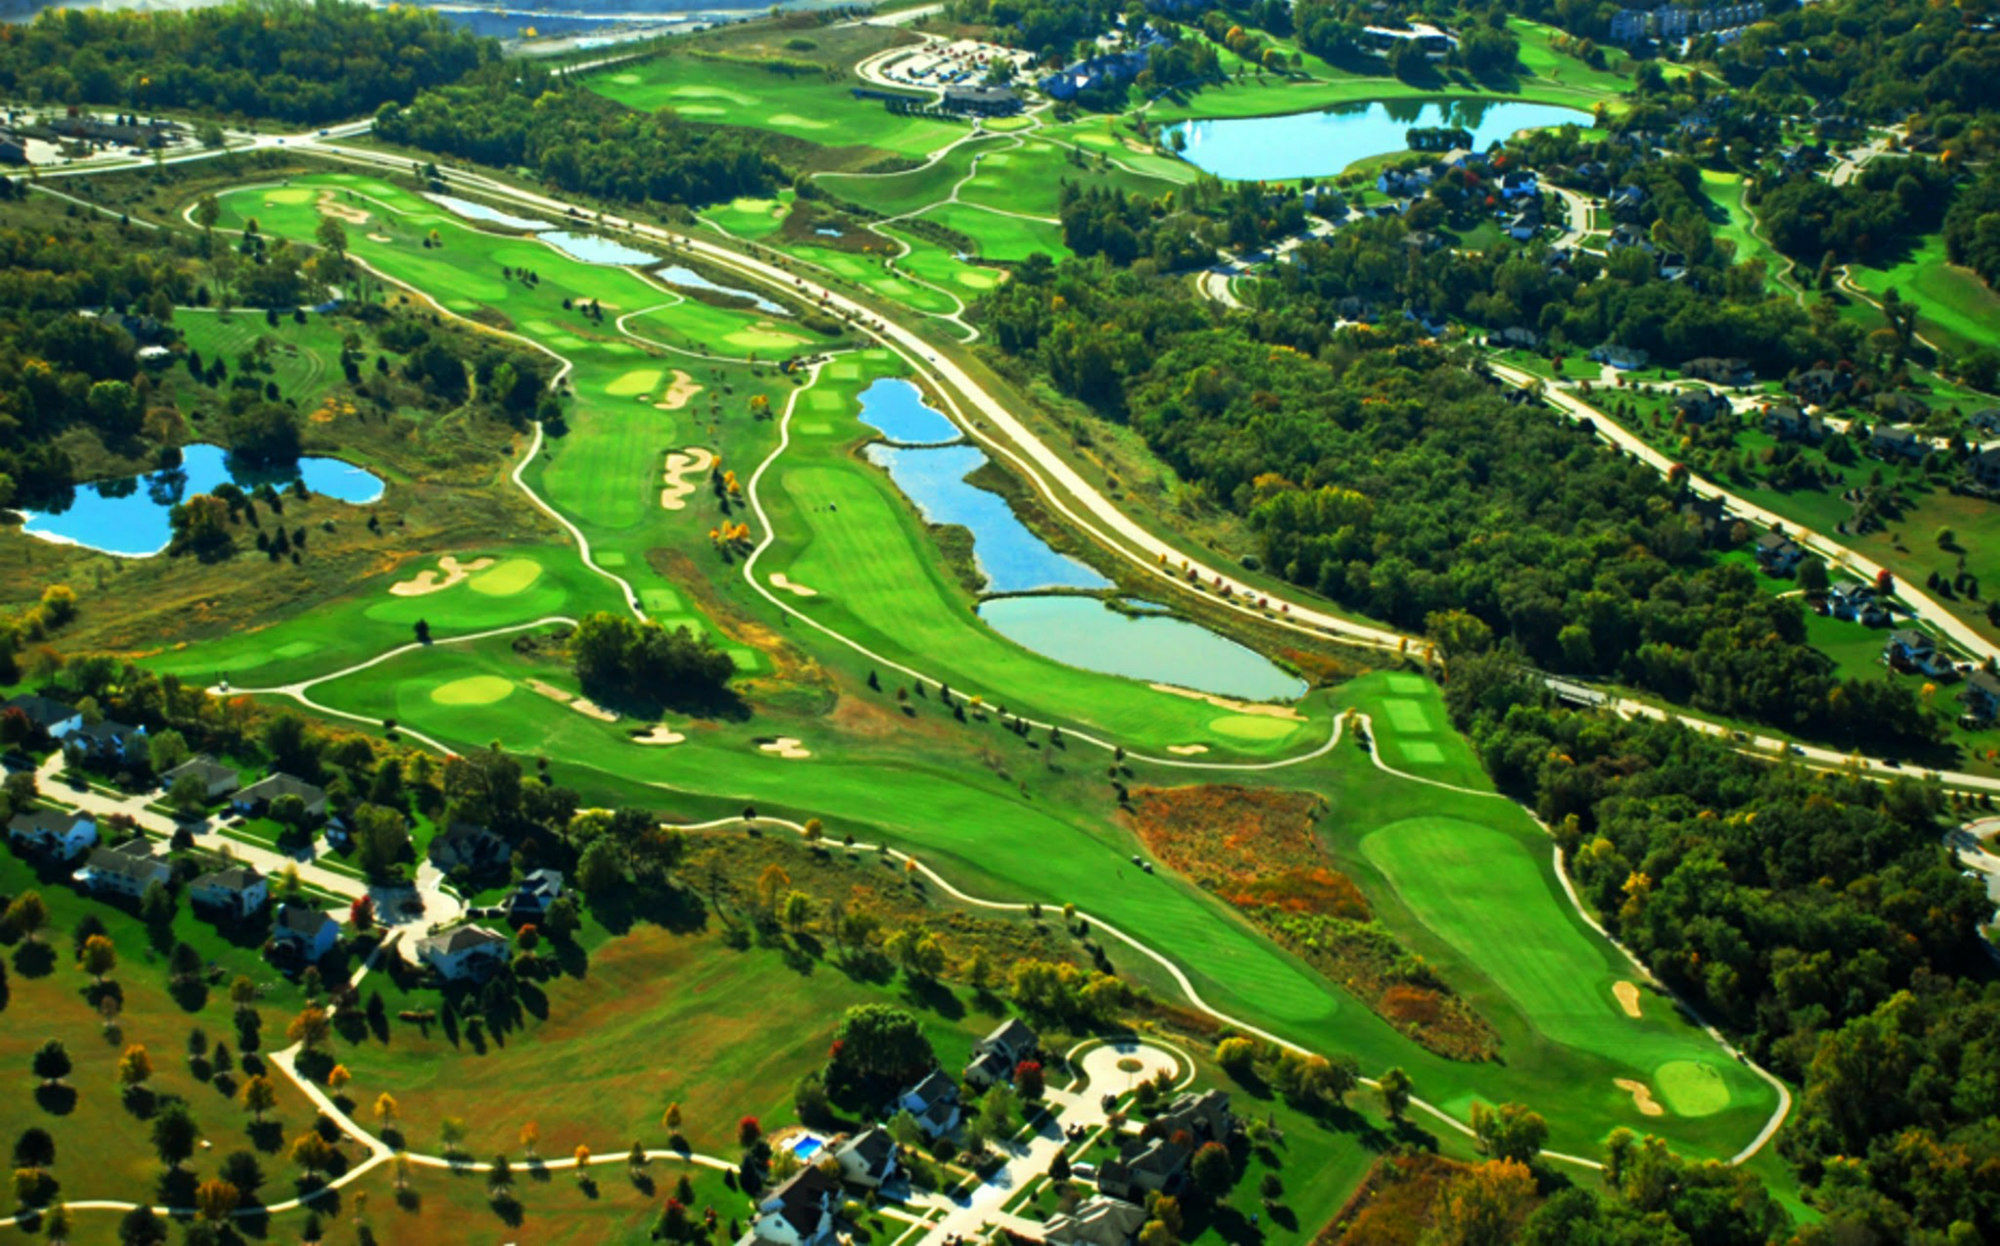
(303, 359)
(1956, 309)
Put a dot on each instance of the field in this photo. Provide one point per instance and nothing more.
(1957, 310)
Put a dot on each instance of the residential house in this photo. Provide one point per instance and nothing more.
(1984, 466)
(256, 800)
(1521, 227)
(1981, 697)
(216, 779)
(1624, 358)
(934, 1103)
(1892, 442)
(1205, 1117)
(106, 741)
(1404, 183)
(1715, 371)
(1629, 238)
(1436, 44)
(236, 890)
(124, 869)
(987, 1068)
(1096, 1221)
(303, 931)
(1788, 423)
(13, 149)
(1857, 603)
(1986, 421)
(469, 845)
(869, 1158)
(51, 718)
(999, 1053)
(1778, 554)
(1627, 200)
(1673, 266)
(1821, 386)
(53, 832)
(1912, 651)
(1709, 515)
(981, 101)
(1700, 407)
(1630, 26)
(796, 1212)
(531, 898)
(1518, 184)
(1902, 408)
(463, 952)
(1145, 1166)
(1515, 337)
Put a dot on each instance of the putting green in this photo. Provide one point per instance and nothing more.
(290, 194)
(637, 381)
(508, 578)
(763, 339)
(844, 370)
(1405, 683)
(793, 119)
(977, 279)
(295, 649)
(1406, 714)
(473, 690)
(1691, 1087)
(659, 600)
(1252, 727)
(1421, 752)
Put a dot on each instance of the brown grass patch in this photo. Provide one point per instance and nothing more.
(1393, 1206)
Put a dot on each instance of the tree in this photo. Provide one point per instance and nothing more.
(1236, 1054)
(174, 1133)
(748, 1132)
(1395, 1088)
(34, 1148)
(531, 1136)
(140, 1227)
(157, 906)
(882, 1044)
(52, 1062)
(189, 794)
(385, 1111)
(1028, 1080)
(135, 1067)
(166, 749)
(215, 1199)
(258, 1096)
(241, 1169)
(1483, 1206)
(1213, 1171)
(28, 915)
(99, 958)
(1510, 1132)
(310, 1028)
(312, 1153)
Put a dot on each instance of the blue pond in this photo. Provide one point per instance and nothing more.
(128, 517)
(681, 275)
(1013, 559)
(1156, 648)
(480, 212)
(592, 249)
(1308, 144)
(897, 410)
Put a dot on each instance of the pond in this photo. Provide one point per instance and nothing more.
(480, 212)
(1085, 632)
(1309, 144)
(896, 409)
(592, 249)
(681, 275)
(1013, 559)
(128, 517)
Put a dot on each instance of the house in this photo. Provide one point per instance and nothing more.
(1911, 651)
(934, 1103)
(797, 1212)
(1406, 183)
(1986, 421)
(237, 890)
(1673, 266)
(54, 832)
(467, 844)
(1700, 407)
(1205, 1117)
(303, 931)
(51, 718)
(1096, 1221)
(1902, 408)
(981, 101)
(1145, 1166)
(1720, 371)
(987, 1068)
(463, 952)
(1628, 199)
(1984, 466)
(1515, 337)
(1981, 697)
(1857, 603)
(1624, 358)
(257, 799)
(1521, 227)
(532, 897)
(12, 149)
(1012, 1039)
(125, 869)
(1709, 515)
(1788, 423)
(1629, 238)
(1518, 184)
(1821, 386)
(216, 779)
(1778, 554)
(1891, 442)
(105, 741)
(869, 1158)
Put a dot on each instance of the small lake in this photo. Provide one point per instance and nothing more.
(681, 275)
(592, 249)
(480, 212)
(896, 409)
(128, 517)
(1309, 144)
(1013, 559)
(1084, 632)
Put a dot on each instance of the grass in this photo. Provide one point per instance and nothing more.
(1958, 311)
(304, 359)
(1007, 238)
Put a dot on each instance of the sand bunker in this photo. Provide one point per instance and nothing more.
(681, 465)
(582, 705)
(1240, 707)
(431, 581)
(659, 733)
(1642, 1097)
(1186, 750)
(780, 580)
(1628, 997)
(678, 393)
(380, 238)
(788, 747)
(330, 206)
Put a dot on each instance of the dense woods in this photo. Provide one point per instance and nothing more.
(580, 142)
(1819, 916)
(1972, 228)
(1353, 457)
(288, 60)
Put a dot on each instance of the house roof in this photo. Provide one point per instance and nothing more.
(277, 784)
(1012, 1034)
(1097, 1221)
(1206, 1115)
(1157, 1158)
(935, 1088)
(802, 1200)
(132, 859)
(203, 767)
(47, 822)
(1985, 682)
(300, 920)
(1912, 639)
(44, 712)
(104, 730)
(874, 1147)
(463, 834)
(461, 939)
(1774, 542)
(990, 1064)
(237, 878)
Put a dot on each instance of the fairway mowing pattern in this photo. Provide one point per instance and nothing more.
(507, 579)
(1252, 727)
(1691, 1087)
(1407, 715)
(473, 690)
